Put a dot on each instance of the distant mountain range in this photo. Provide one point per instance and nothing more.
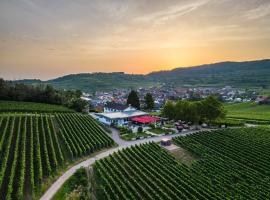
(237, 74)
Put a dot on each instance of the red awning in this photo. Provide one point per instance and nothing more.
(145, 119)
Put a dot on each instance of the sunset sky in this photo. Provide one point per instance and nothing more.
(49, 38)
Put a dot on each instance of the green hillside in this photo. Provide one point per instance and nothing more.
(36, 148)
(19, 106)
(100, 81)
(221, 169)
(91, 82)
(237, 74)
(248, 110)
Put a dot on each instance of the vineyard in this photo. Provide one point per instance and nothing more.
(34, 147)
(232, 164)
(17, 106)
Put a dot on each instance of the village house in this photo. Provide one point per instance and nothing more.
(263, 100)
(118, 115)
(116, 107)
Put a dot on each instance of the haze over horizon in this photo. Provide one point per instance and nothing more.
(47, 39)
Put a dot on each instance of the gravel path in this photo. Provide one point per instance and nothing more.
(122, 144)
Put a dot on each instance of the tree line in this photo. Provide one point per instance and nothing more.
(41, 94)
(133, 100)
(206, 110)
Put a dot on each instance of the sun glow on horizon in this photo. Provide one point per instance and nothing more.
(45, 39)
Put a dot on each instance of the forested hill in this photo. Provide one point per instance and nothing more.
(90, 82)
(100, 81)
(238, 74)
(251, 73)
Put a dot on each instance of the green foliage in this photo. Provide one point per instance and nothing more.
(97, 81)
(207, 110)
(168, 110)
(159, 130)
(152, 126)
(124, 130)
(133, 99)
(30, 107)
(140, 129)
(149, 101)
(229, 122)
(237, 74)
(225, 159)
(78, 104)
(212, 109)
(41, 94)
(79, 179)
(33, 147)
(130, 136)
(225, 168)
(249, 110)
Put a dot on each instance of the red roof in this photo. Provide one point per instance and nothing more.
(145, 119)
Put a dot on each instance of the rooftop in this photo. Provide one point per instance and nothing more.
(165, 139)
(119, 115)
(145, 119)
(116, 106)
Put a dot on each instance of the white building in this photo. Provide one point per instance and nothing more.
(118, 114)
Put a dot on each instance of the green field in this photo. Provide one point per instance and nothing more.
(34, 148)
(130, 136)
(159, 131)
(17, 106)
(229, 164)
(250, 110)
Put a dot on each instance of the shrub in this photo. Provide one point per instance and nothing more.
(152, 125)
(140, 129)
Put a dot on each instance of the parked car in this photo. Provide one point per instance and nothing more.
(185, 126)
(179, 128)
(204, 125)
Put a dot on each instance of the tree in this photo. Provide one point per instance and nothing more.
(181, 110)
(169, 110)
(133, 99)
(79, 105)
(140, 129)
(149, 101)
(4, 89)
(78, 93)
(207, 110)
(194, 96)
(16, 91)
(194, 114)
(188, 111)
(212, 109)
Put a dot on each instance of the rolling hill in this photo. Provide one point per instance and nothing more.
(237, 74)
(90, 82)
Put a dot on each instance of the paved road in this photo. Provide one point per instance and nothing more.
(122, 144)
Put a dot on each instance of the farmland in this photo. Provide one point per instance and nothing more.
(17, 106)
(230, 164)
(35, 147)
(249, 110)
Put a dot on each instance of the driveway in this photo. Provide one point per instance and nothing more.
(122, 144)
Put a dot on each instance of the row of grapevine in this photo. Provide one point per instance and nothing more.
(33, 147)
(233, 160)
(81, 134)
(221, 172)
(147, 172)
